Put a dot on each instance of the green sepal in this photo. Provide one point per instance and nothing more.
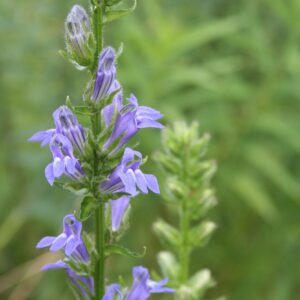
(121, 250)
(169, 163)
(203, 204)
(113, 14)
(69, 103)
(199, 235)
(168, 264)
(177, 188)
(112, 2)
(197, 285)
(167, 233)
(88, 205)
(64, 54)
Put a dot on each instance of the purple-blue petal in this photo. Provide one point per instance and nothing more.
(111, 291)
(128, 180)
(71, 244)
(49, 174)
(57, 265)
(152, 183)
(58, 167)
(42, 136)
(141, 181)
(59, 242)
(45, 242)
(118, 208)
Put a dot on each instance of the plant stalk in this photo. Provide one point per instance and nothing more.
(99, 272)
(185, 248)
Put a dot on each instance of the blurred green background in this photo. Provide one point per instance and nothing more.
(232, 65)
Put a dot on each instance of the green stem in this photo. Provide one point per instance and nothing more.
(184, 248)
(98, 11)
(99, 272)
(99, 277)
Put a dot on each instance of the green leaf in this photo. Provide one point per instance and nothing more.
(87, 208)
(112, 14)
(121, 250)
(75, 187)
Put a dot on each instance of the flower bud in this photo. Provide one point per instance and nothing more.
(77, 32)
(106, 75)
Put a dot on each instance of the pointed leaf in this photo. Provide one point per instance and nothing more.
(112, 15)
(117, 249)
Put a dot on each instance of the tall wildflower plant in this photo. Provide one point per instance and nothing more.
(96, 162)
(189, 193)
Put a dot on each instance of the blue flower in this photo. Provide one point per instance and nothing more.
(142, 287)
(64, 161)
(128, 178)
(71, 242)
(106, 74)
(130, 119)
(66, 124)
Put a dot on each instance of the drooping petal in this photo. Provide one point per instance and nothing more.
(158, 287)
(45, 242)
(152, 183)
(148, 123)
(118, 208)
(141, 181)
(58, 167)
(70, 164)
(42, 136)
(57, 265)
(49, 174)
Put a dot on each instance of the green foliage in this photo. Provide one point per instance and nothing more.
(238, 74)
(188, 177)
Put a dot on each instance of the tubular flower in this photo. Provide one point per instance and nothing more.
(127, 178)
(64, 162)
(130, 119)
(142, 286)
(77, 31)
(106, 74)
(66, 124)
(71, 242)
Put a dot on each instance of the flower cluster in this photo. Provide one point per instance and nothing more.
(97, 161)
(68, 138)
